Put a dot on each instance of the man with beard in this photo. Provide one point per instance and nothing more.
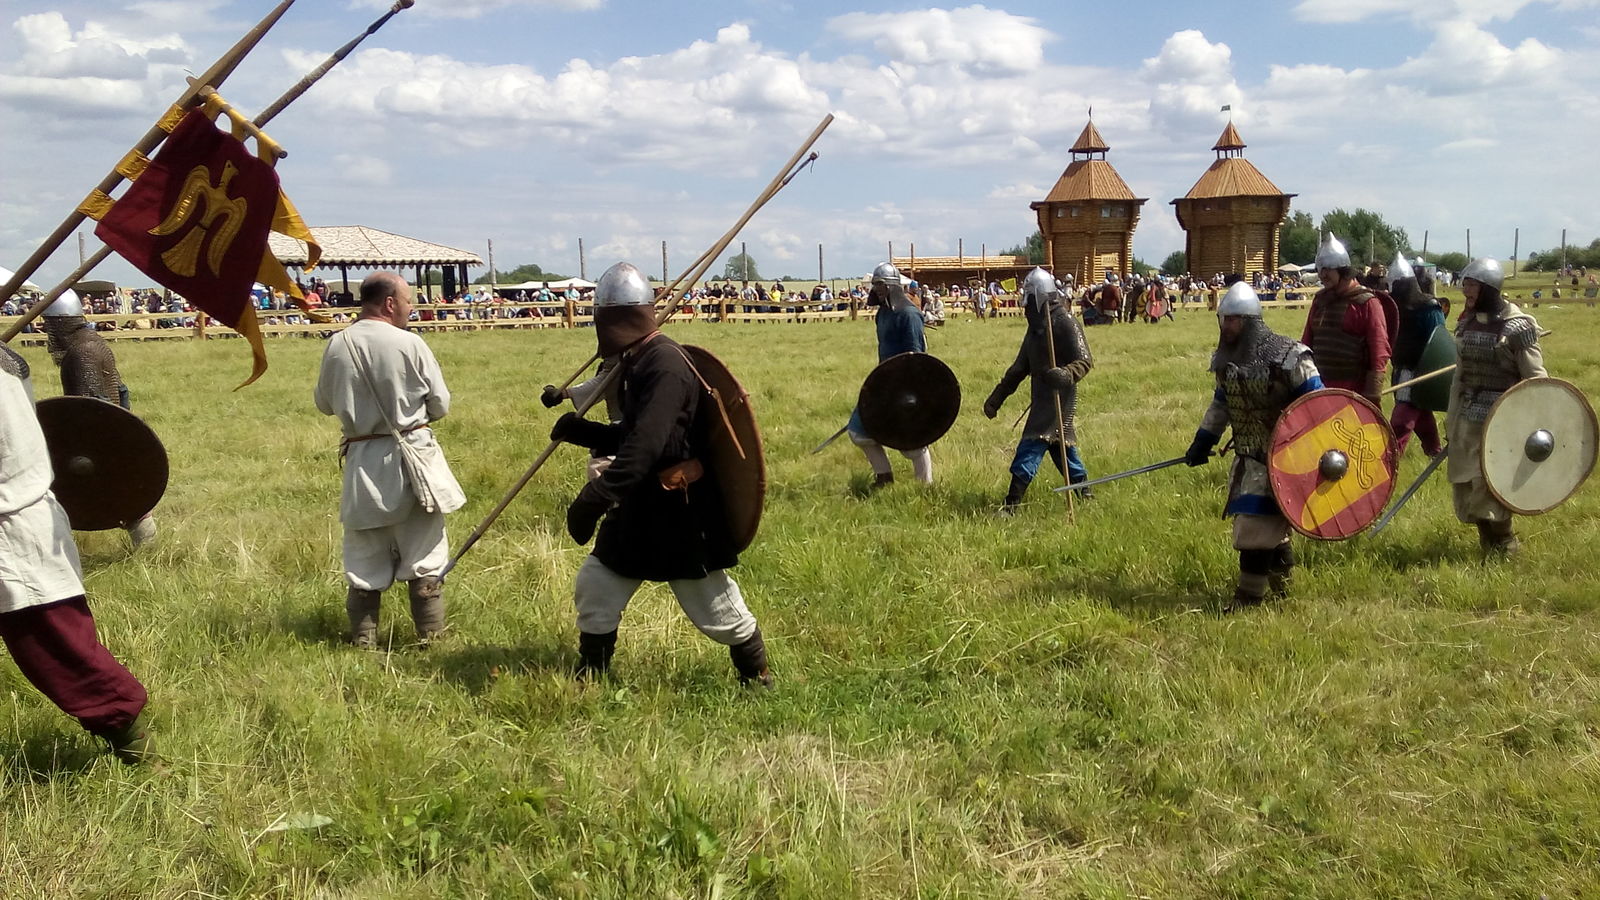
(1258, 374)
(1420, 314)
(1347, 328)
(45, 620)
(1054, 387)
(664, 518)
(1497, 345)
(899, 325)
(88, 369)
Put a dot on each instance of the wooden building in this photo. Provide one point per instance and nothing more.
(1088, 218)
(1232, 214)
(963, 270)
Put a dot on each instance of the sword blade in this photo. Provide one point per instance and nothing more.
(834, 437)
(1415, 485)
(1128, 474)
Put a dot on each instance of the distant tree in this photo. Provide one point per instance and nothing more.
(1454, 261)
(1366, 235)
(1032, 248)
(1297, 239)
(1176, 263)
(525, 272)
(1550, 260)
(1140, 267)
(741, 267)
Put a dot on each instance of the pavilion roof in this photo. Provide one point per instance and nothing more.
(1090, 141)
(1090, 179)
(359, 245)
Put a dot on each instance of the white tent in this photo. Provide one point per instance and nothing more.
(561, 285)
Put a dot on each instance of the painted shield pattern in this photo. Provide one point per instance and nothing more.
(1331, 464)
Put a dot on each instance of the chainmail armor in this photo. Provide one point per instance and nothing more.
(1486, 360)
(1256, 387)
(88, 367)
(12, 362)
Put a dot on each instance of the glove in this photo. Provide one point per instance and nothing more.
(1199, 452)
(1372, 390)
(551, 396)
(585, 512)
(565, 427)
(991, 406)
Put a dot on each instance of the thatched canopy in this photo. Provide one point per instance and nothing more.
(358, 246)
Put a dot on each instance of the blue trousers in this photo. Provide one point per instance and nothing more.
(1031, 451)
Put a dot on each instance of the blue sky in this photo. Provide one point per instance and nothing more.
(536, 122)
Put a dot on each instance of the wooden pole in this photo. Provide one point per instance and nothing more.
(1424, 242)
(744, 263)
(213, 77)
(664, 263)
(583, 268)
(494, 284)
(1061, 420)
(819, 262)
(783, 177)
(913, 260)
(1516, 240)
(1469, 243)
(1563, 249)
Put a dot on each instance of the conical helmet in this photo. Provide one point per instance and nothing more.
(1485, 270)
(623, 285)
(886, 273)
(1240, 300)
(1400, 268)
(1332, 254)
(1040, 289)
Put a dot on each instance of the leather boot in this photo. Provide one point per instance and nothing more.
(750, 659)
(362, 607)
(427, 607)
(1018, 490)
(881, 481)
(1498, 538)
(594, 654)
(132, 742)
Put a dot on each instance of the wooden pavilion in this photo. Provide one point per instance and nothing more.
(1088, 218)
(962, 269)
(1232, 214)
(346, 247)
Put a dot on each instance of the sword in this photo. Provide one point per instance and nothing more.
(835, 436)
(1432, 464)
(1128, 474)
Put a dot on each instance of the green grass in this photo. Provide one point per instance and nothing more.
(967, 706)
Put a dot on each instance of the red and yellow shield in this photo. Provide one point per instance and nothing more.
(1331, 464)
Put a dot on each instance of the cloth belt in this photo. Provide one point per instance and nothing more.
(344, 444)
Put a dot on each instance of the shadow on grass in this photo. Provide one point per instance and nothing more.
(1441, 548)
(1144, 601)
(44, 754)
(475, 668)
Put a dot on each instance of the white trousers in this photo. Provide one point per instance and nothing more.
(921, 459)
(712, 603)
(375, 558)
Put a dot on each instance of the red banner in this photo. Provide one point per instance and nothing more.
(197, 219)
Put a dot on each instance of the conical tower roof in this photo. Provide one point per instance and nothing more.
(1090, 140)
(1230, 139)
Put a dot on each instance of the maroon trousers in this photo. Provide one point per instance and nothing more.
(1407, 418)
(56, 648)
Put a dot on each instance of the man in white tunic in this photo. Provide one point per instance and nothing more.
(44, 619)
(385, 387)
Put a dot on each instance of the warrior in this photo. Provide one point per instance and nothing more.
(1420, 314)
(1346, 330)
(1258, 373)
(386, 388)
(45, 620)
(899, 325)
(88, 369)
(1497, 345)
(1054, 387)
(663, 514)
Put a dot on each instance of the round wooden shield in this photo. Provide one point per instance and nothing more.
(1331, 464)
(110, 467)
(737, 460)
(1438, 353)
(1156, 308)
(1539, 445)
(909, 401)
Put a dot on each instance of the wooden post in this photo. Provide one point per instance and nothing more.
(891, 253)
(819, 262)
(1469, 243)
(913, 260)
(664, 275)
(1563, 249)
(200, 324)
(1424, 242)
(344, 269)
(583, 268)
(961, 257)
(744, 263)
(572, 312)
(1516, 239)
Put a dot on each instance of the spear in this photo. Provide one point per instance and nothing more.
(785, 175)
(214, 77)
(199, 87)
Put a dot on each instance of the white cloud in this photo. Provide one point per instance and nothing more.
(1425, 11)
(364, 170)
(1191, 79)
(987, 41)
(472, 9)
(1467, 145)
(94, 71)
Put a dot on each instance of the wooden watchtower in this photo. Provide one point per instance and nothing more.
(1088, 218)
(1232, 214)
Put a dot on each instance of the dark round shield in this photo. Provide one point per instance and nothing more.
(1331, 464)
(737, 461)
(1439, 353)
(1539, 445)
(110, 467)
(909, 401)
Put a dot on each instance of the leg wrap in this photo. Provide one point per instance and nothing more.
(427, 606)
(594, 653)
(1018, 490)
(362, 607)
(1281, 572)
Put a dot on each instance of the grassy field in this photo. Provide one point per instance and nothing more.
(967, 706)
